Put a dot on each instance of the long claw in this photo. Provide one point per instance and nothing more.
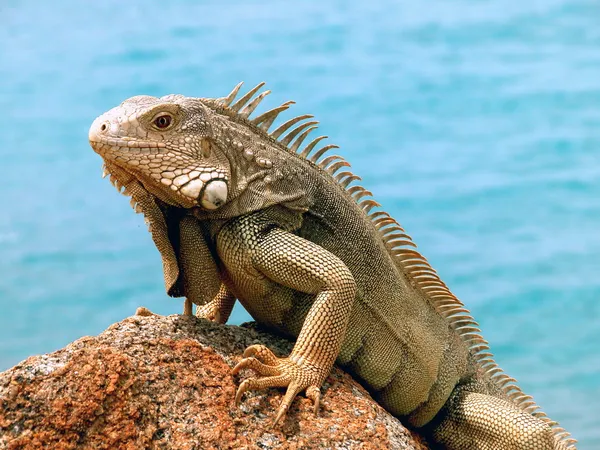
(292, 390)
(314, 393)
(262, 383)
(241, 389)
(257, 366)
(281, 412)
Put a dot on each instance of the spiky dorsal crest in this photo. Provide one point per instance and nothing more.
(398, 243)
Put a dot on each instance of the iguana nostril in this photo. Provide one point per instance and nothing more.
(103, 127)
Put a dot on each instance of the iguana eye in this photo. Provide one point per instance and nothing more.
(163, 121)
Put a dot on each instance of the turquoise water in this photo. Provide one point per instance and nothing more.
(476, 125)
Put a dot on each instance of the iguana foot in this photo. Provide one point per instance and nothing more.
(210, 311)
(278, 372)
(219, 308)
(143, 311)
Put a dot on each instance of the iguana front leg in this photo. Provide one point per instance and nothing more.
(306, 267)
(198, 269)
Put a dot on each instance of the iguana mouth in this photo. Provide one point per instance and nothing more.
(200, 185)
(207, 188)
(102, 144)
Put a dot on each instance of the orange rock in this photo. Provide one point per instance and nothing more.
(165, 383)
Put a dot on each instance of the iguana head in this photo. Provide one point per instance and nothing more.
(206, 154)
(167, 144)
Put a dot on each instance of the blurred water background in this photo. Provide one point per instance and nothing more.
(476, 125)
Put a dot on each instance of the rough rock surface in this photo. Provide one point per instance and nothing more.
(165, 383)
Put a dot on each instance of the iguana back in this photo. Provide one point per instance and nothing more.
(240, 212)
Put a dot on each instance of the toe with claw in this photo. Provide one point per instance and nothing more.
(144, 312)
(278, 372)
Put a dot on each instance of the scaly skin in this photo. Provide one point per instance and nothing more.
(237, 213)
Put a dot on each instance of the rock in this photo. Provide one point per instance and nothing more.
(166, 383)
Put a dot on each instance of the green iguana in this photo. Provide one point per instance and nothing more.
(241, 212)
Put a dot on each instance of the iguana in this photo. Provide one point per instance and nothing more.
(241, 212)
